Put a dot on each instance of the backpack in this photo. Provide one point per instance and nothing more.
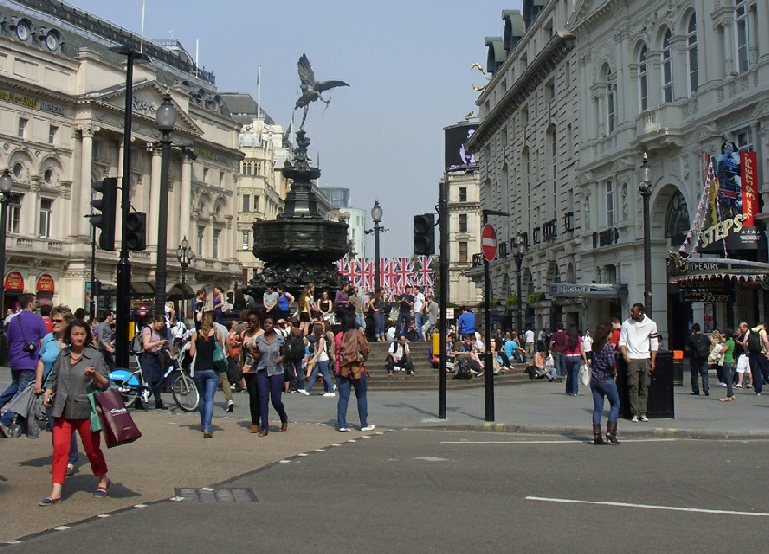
(754, 342)
(136, 346)
(294, 346)
(702, 347)
(463, 369)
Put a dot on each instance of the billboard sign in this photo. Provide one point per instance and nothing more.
(457, 156)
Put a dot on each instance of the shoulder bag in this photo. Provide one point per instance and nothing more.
(220, 360)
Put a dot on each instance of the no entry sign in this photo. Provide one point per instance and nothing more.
(489, 243)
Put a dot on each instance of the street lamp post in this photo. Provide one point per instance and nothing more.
(645, 188)
(520, 251)
(165, 116)
(185, 255)
(6, 183)
(376, 215)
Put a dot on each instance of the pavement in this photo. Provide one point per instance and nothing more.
(172, 453)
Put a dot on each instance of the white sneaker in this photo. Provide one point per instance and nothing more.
(635, 419)
(304, 392)
(328, 395)
(344, 430)
(644, 418)
(368, 428)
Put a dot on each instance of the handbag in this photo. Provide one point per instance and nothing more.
(117, 424)
(584, 374)
(220, 360)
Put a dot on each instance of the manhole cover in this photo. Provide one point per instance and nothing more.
(222, 496)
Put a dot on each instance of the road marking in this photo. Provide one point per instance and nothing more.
(431, 459)
(646, 506)
(556, 441)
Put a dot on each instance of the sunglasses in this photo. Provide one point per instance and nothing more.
(57, 321)
(253, 321)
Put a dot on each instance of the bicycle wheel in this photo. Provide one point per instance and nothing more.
(185, 393)
(130, 394)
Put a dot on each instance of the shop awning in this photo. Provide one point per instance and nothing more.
(589, 290)
(719, 268)
(142, 288)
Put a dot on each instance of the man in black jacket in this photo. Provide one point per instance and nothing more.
(698, 347)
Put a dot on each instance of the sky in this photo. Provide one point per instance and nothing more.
(408, 64)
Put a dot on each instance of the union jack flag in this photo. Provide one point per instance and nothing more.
(396, 274)
(367, 274)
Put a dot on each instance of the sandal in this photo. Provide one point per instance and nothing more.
(102, 490)
(49, 501)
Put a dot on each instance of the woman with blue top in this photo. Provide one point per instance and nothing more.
(52, 343)
(603, 383)
(319, 362)
(269, 375)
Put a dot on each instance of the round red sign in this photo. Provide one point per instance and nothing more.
(489, 243)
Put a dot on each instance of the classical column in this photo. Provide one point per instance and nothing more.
(654, 78)
(82, 226)
(185, 201)
(152, 217)
(729, 45)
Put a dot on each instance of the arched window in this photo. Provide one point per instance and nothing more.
(677, 220)
(742, 15)
(643, 89)
(667, 68)
(691, 55)
(609, 101)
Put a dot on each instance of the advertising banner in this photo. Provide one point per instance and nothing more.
(457, 156)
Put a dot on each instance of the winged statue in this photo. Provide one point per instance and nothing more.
(312, 89)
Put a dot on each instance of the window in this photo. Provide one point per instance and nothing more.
(554, 153)
(525, 117)
(550, 91)
(744, 140)
(246, 202)
(14, 213)
(48, 176)
(46, 208)
(215, 244)
(205, 174)
(691, 55)
(462, 252)
(609, 204)
(256, 203)
(201, 234)
(245, 240)
(743, 35)
(53, 131)
(221, 178)
(246, 168)
(643, 90)
(463, 223)
(667, 68)
(677, 220)
(18, 170)
(609, 102)
(463, 194)
(22, 127)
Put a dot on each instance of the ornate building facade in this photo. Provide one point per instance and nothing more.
(61, 129)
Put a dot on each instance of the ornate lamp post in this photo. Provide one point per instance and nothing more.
(185, 255)
(520, 252)
(165, 116)
(376, 215)
(6, 183)
(645, 188)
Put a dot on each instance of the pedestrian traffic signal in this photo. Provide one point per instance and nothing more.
(107, 209)
(424, 234)
(136, 231)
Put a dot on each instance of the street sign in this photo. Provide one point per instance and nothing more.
(489, 243)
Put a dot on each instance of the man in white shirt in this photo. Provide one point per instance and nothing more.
(419, 305)
(529, 344)
(638, 345)
(399, 355)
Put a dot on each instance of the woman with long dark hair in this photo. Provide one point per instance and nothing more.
(575, 357)
(319, 362)
(352, 352)
(248, 365)
(154, 341)
(603, 383)
(269, 375)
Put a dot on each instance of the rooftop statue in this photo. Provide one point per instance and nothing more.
(312, 89)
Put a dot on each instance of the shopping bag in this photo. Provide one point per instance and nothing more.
(584, 374)
(117, 424)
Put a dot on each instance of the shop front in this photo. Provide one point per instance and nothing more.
(13, 287)
(45, 288)
(585, 305)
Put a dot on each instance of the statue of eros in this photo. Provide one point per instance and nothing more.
(312, 89)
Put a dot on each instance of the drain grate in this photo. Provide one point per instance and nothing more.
(219, 496)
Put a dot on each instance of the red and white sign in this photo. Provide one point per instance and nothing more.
(14, 281)
(45, 283)
(489, 243)
(748, 163)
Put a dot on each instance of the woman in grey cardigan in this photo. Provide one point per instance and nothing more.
(78, 371)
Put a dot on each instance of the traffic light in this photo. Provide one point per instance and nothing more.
(136, 231)
(424, 234)
(107, 207)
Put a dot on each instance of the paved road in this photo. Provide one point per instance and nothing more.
(462, 491)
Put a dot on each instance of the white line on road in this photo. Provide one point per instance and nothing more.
(645, 506)
(552, 441)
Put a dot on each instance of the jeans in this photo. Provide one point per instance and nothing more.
(418, 325)
(379, 322)
(270, 387)
(729, 378)
(360, 385)
(323, 368)
(19, 382)
(560, 363)
(608, 389)
(253, 397)
(759, 370)
(360, 321)
(206, 382)
(298, 381)
(697, 368)
(573, 363)
(404, 318)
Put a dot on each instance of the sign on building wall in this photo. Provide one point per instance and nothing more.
(732, 202)
(396, 274)
(457, 156)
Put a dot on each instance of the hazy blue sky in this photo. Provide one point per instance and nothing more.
(407, 63)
